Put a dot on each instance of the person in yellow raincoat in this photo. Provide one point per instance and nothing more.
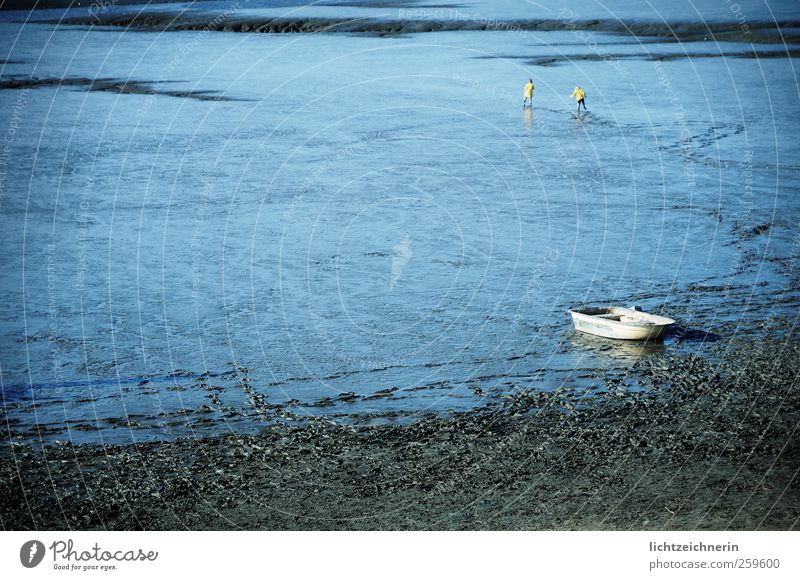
(579, 95)
(528, 93)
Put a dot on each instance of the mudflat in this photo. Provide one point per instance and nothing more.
(705, 444)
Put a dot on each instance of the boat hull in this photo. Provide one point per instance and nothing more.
(620, 323)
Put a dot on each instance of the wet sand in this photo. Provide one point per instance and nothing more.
(110, 85)
(204, 293)
(702, 445)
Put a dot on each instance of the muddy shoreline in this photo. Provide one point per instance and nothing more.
(757, 31)
(701, 446)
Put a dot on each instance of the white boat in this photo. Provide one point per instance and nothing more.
(621, 323)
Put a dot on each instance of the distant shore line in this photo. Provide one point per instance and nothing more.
(780, 32)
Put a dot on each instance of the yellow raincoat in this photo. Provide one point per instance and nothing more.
(529, 90)
(578, 93)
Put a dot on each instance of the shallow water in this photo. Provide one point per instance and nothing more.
(372, 228)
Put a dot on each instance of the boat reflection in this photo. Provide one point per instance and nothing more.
(627, 350)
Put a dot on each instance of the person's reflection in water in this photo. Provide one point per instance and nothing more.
(527, 114)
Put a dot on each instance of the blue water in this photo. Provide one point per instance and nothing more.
(375, 215)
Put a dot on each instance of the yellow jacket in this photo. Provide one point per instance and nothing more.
(578, 93)
(529, 90)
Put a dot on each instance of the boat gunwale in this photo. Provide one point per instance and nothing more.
(646, 319)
